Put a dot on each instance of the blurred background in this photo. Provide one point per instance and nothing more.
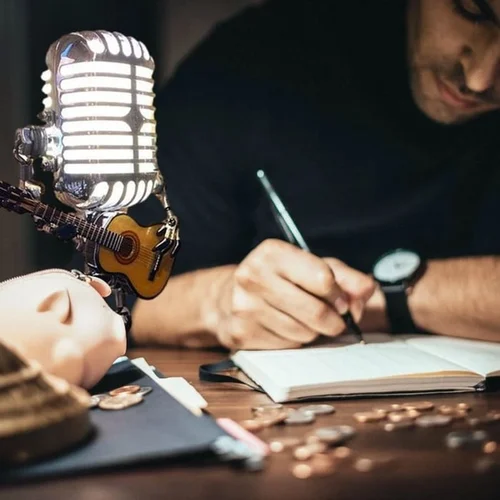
(169, 28)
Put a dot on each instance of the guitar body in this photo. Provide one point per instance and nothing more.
(135, 264)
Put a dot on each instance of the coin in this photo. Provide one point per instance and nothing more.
(459, 414)
(418, 405)
(433, 420)
(367, 464)
(490, 447)
(462, 439)
(446, 409)
(322, 464)
(307, 451)
(279, 445)
(96, 399)
(120, 402)
(267, 408)
(369, 416)
(396, 417)
(474, 421)
(342, 452)
(364, 465)
(252, 425)
(404, 424)
(322, 409)
(270, 419)
(300, 418)
(330, 435)
(144, 390)
(348, 431)
(302, 471)
(463, 406)
(125, 389)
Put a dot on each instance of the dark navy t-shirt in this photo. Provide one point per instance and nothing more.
(317, 94)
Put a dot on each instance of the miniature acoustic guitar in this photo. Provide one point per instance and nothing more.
(124, 247)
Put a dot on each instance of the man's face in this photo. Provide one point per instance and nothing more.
(454, 56)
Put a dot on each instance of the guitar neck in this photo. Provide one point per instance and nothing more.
(92, 232)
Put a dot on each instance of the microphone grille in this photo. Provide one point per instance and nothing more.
(100, 120)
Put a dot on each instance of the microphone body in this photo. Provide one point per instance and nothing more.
(99, 137)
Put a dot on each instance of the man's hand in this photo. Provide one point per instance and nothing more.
(282, 297)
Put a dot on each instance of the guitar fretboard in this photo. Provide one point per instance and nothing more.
(100, 235)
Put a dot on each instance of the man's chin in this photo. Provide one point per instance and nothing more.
(442, 114)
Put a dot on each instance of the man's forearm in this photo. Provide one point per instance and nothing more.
(459, 297)
(456, 297)
(183, 313)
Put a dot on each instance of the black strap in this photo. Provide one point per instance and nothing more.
(400, 319)
(213, 373)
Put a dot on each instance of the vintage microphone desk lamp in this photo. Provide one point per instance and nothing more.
(99, 142)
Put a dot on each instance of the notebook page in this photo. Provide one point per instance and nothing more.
(310, 367)
(480, 357)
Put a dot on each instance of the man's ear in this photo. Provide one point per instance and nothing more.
(57, 303)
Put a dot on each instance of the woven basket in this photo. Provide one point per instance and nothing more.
(40, 415)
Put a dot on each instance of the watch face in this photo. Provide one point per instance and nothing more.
(396, 266)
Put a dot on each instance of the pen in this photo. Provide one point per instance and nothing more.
(294, 236)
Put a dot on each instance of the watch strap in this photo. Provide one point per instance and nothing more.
(398, 312)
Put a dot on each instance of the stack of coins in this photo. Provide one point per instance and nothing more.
(120, 398)
(269, 415)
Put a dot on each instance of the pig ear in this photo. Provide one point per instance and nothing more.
(57, 303)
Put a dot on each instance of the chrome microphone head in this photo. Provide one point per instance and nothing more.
(99, 137)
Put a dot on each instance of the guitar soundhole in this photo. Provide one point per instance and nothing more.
(128, 249)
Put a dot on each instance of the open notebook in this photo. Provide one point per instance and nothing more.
(408, 364)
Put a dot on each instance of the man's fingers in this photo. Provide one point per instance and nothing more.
(246, 334)
(297, 266)
(256, 309)
(357, 285)
(315, 314)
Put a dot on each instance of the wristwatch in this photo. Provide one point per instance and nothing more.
(397, 272)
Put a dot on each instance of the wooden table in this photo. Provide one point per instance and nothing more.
(421, 466)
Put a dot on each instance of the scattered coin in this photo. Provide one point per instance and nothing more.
(348, 431)
(120, 402)
(368, 464)
(433, 420)
(125, 389)
(96, 399)
(369, 416)
(490, 447)
(397, 417)
(446, 409)
(322, 409)
(302, 471)
(252, 425)
(330, 435)
(363, 465)
(419, 406)
(307, 451)
(322, 465)
(404, 424)
(462, 439)
(300, 418)
(463, 406)
(270, 419)
(267, 408)
(474, 422)
(282, 444)
(144, 390)
(460, 414)
(342, 452)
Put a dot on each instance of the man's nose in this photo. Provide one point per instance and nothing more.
(482, 69)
